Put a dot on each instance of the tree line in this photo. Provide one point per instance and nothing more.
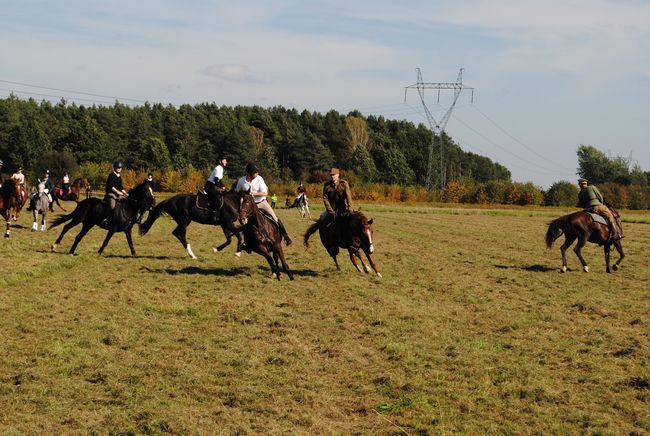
(286, 144)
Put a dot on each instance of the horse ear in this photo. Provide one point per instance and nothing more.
(370, 220)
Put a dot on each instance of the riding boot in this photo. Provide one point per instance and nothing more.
(284, 233)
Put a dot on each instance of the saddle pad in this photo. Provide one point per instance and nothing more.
(202, 202)
(599, 219)
(268, 215)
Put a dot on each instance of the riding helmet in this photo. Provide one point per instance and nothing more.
(252, 168)
(118, 164)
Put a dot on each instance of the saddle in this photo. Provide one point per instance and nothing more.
(202, 202)
(598, 218)
(268, 215)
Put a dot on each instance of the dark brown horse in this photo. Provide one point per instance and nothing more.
(352, 231)
(262, 235)
(22, 199)
(10, 197)
(581, 226)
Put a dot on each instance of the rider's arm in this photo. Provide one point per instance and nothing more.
(599, 196)
(348, 196)
(326, 202)
(263, 189)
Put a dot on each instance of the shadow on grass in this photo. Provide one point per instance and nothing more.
(295, 272)
(200, 271)
(531, 268)
(137, 256)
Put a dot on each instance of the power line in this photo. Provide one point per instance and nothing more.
(13, 91)
(72, 91)
(532, 150)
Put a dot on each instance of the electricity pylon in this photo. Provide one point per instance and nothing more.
(438, 127)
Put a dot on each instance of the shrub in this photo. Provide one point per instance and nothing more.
(614, 194)
(562, 193)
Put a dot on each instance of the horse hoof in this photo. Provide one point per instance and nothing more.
(379, 275)
(615, 267)
(585, 268)
(53, 248)
(215, 250)
(563, 269)
(238, 254)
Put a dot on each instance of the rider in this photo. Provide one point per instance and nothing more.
(253, 181)
(149, 181)
(214, 186)
(114, 189)
(337, 198)
(65, 184)
(590, 199)
(19, 177)
(47, 185)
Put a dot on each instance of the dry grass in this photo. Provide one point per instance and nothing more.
(471, 330)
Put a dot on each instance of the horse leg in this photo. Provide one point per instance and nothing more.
(371, 259)
(568, 240)
(582, 240)
(353, 259)
(274, 269)
(108, 237)
(607, 249)
(129, 239)
(7, 231)
(43, 227)
(65, 229)
(308, 213)
(35, 223)
(619, 248)
(84, 229)
(180, 232)
(279, 252)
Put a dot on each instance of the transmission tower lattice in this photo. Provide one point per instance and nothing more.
(438, 127)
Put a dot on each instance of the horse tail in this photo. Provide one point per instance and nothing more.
(310, 231)
(555, 229)
(63, 219)
(154, 214)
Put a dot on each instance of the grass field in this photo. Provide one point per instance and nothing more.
(472, 329)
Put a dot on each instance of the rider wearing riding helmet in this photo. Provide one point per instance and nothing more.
(255, 183)
(114, 189)
(337, 197)
(214, 186)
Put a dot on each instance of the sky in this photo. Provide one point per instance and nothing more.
(547, 76)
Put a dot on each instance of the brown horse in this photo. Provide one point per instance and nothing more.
(581, 226)
(74, 192)
(352, 231)
(23, 198)
(262, 235)
(10, 195)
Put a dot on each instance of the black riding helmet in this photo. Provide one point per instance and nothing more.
(252, 168)
(118, 164)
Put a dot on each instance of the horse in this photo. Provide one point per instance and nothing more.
(74, 191)
(302, 204)
(92, 211)
(352, 231)
(185, 208)
(262, 236)
(23, 197)
(10, 196)
(583, 227)
(42, 206)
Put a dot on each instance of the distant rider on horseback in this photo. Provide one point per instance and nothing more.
(337, 198)
(590, 199)
(47, 190)
(114, 190)
(258, 189)
(65, 184)
(214, 187)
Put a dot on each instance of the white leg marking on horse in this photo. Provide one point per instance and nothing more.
(238, 254)
(585, 268)
(379, 275)
(43, 227)
(563, 269)
(190, 252)
(34, 226)
(53, 247)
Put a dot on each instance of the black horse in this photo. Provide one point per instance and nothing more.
(185, 208)
(91, 212)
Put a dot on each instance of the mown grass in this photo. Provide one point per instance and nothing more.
(471, 330)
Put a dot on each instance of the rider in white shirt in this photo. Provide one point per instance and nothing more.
(258, 189)
(214, 186)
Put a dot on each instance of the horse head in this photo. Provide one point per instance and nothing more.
(247, 206)
(360, 228)
(143, 197)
